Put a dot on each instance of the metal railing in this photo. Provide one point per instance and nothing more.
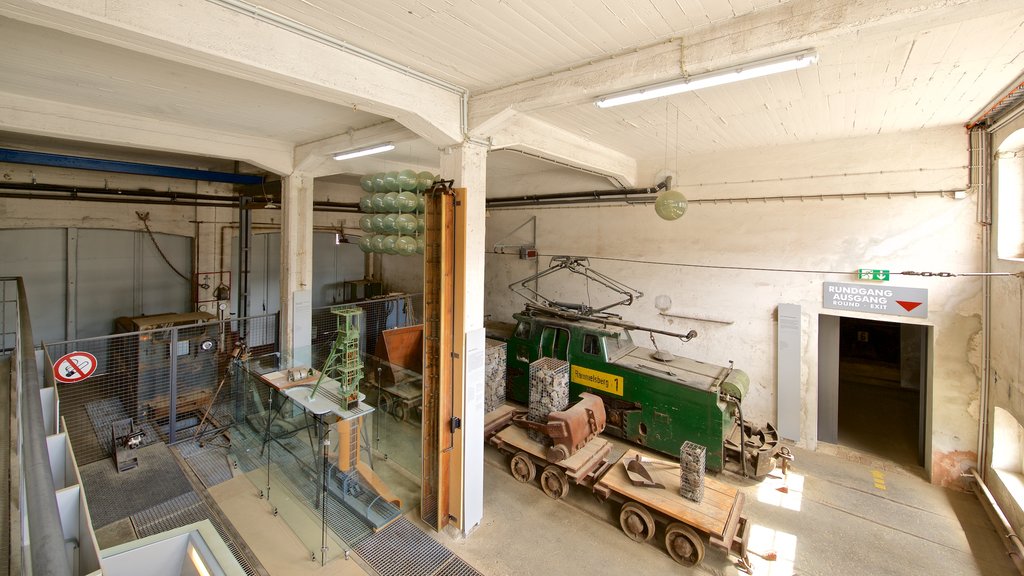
(47, 556)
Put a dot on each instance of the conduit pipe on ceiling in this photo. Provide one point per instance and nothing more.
(1013, 543)
(640, 198)
(576, 197)
(140, 196)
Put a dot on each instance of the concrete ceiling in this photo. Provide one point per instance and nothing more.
(43, 63)
(888, 66)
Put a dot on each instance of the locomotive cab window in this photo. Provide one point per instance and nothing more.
(591, 344)
(618, 345)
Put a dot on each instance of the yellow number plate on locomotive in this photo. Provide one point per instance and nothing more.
(597, 380)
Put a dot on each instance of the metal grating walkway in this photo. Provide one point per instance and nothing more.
(174, 513)
(402, 549)
(211, 466)
(113, 496)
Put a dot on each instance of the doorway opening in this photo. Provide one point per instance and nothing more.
(878, 375)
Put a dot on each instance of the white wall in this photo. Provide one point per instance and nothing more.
(732, 246)
(1007, 335)
(215, 230)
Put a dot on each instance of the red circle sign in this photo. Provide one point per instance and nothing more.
(74, 367)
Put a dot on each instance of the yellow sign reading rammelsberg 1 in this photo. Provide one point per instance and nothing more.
(599, 380)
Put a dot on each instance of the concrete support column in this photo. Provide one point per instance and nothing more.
(296, 269)
(467, 166)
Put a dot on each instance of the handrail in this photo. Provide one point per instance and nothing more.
(46, 537)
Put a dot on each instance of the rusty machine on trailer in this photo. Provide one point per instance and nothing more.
(570, 451)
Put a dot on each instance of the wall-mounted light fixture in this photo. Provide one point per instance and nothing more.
(756, 69)
(366, 151)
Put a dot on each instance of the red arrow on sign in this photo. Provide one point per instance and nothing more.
(908, 306)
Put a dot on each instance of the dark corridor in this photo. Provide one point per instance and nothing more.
(881, 383)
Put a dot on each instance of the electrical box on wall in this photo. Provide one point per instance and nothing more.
(527, 253)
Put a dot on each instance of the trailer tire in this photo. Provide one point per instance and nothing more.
(400, 411)
(683, 544)
(553, 482)
(522, 467)
(636, 522)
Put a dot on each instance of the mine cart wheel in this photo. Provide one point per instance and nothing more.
(684, 544)
(636, 522)
(386, 402)
(554, 482)
(522, 467)
(400, 411)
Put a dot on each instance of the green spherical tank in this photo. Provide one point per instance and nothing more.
(670, 205)
(406, 202)
(366, 204)
(406, 224)
(366, 183)
(391, 224)
(391, 181)
(378, 182)
(377, 223)
(366, 223)
(377, 243)
(405, 245)
(407, 180)
(377, 202)
(390, 202)
(389, 244)
(366, 243)
(424, 180)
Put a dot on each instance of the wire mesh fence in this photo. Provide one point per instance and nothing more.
(168, 380)
(186, 379)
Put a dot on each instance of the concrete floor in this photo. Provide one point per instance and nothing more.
(843, 513)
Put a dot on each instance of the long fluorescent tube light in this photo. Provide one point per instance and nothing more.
(375, 149)
(757, 69)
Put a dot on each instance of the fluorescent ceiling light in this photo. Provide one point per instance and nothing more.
(757, 69)
(375, 149)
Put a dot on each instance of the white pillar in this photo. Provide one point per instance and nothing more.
(296, 269)
(467, 166)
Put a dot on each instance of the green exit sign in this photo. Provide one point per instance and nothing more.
(866, 274)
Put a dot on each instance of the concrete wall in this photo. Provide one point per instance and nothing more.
(1006, 386)
(739, 259)
(215, 230)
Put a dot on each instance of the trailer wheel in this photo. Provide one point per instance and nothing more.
(386, 403)
(553, 482)
(522, 467)
(684, 544)
(636, 522)
(400, 411)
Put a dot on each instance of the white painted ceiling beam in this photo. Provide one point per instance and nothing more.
(527, 134)
(788, 27)
(59, 120)
(312, 156)
(218, 35)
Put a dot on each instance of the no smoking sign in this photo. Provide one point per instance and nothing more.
(74, 367)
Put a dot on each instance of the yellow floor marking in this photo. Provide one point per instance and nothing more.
(879, 478)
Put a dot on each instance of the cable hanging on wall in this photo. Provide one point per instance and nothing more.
(144, 217)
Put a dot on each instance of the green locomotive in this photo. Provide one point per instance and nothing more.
(651, 398)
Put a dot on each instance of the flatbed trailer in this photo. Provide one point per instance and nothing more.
(718, 517)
